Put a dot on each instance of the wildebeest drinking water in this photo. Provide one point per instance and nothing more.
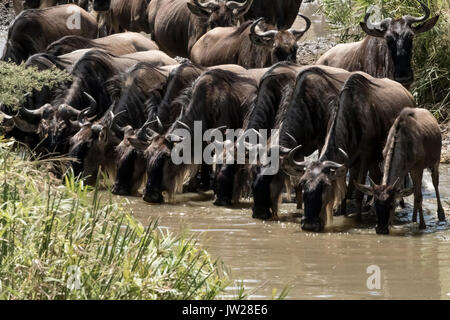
(366, 109)
(414, 144)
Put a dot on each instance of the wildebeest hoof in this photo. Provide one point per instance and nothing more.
(422, 226)
(222, 202)
(312, 225)
(384, 230)
(153, 197)
(120, 191)
(262, 214)
(441, 215)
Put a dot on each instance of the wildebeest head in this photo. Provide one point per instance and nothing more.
(219, 13)
(385, 197)
(161, 171)
(399, 35)
(101, 5)
(321, 183)
(93, 146)
(54, 125)
(281, 43)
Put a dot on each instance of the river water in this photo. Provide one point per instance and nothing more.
(413, 264)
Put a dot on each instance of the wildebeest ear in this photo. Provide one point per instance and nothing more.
(338, 172)
(372, 32)
(197, 11)
(426, 26)
(363, 188)
(262, 41)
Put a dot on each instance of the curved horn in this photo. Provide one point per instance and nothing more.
(67, 112)
(120, 131)
(410, 19)
(299, 33)
(240, 8)
(292, 161)
(32, 114)
(374, 30)
(160, 125)
(92, 105)
(333, 165)
(142, 132)
(372, 184)
(6, 121)
(291, 137)
(210, 5)
(181, 123)
(346, 157)
(267, 34)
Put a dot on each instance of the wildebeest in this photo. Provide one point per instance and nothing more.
(176, 25)
(218, 98)
(247, 45)
(33, 30)
(366, 109)
(56, 121)
(163, 112)
(414, 144)
(42, 4)
(125, 15)
(94, 146)
(387, 50)
(116, 44)
(232, 179)
(303, 118)
(281, 14)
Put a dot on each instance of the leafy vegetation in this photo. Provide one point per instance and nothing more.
(431, 49)
(72, 242)
(16, 81)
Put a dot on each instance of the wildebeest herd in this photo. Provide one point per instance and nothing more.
(128, 96)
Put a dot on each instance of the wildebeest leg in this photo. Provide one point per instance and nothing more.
(362, 175)
(350, 190)
(435, 178)
(416, 176)
(299, 196)
(205, 177)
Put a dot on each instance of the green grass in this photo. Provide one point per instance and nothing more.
(69, 242)
(431, 60)
(16, 81)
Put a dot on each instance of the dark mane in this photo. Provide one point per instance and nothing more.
(304, 111)
(91, 73)
(239, 30)
(180, 78)
(223, 100)
(265, 107)
(134, 89)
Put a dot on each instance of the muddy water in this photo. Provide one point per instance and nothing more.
(414, 264)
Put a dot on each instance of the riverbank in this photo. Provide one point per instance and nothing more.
(68, 241)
